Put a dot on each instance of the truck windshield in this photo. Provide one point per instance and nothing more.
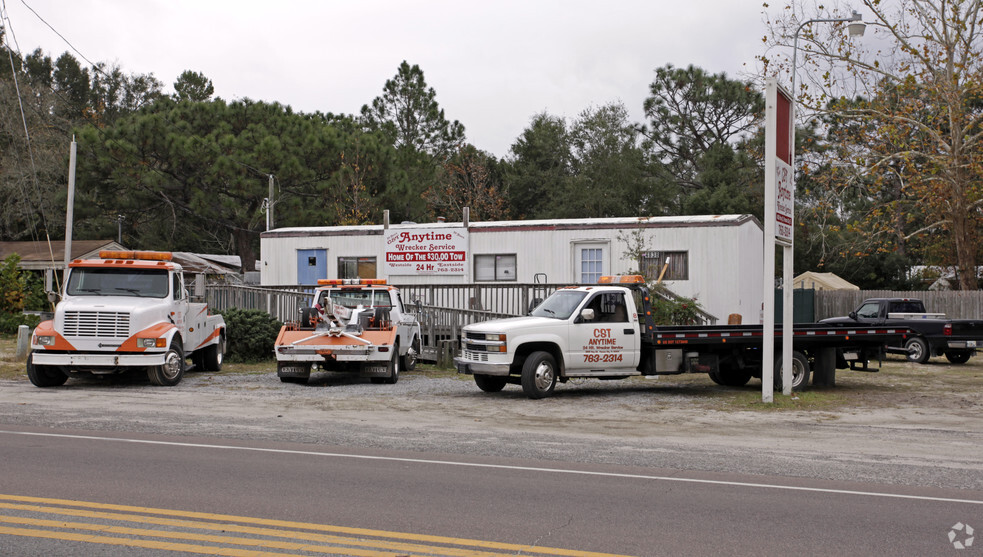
(142, 283)
(365, 298)
(560, 305)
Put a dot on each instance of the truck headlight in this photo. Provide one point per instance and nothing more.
(152, 343)
(495, 337)
(44, 340)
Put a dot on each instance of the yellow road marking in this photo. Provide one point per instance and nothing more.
(168, 546)
(189, 536)
(308, 536)
(225, 527)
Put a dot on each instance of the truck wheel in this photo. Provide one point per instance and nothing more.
(44, 376)
(958, 356)
(800, 372)
(490, 383)
(918, 350)
(730, 378)
(213, 355)
(409, 360)
(539, 375)
(171, 372)
(393, 368)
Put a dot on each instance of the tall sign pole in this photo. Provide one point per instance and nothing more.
(779, 227)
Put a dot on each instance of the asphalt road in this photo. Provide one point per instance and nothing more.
(163, 487)
(240, 463)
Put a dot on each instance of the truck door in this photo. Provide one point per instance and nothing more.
(868, 312)
(181, 308)
(606, 341)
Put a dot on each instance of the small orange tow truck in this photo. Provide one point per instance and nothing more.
(352, 325)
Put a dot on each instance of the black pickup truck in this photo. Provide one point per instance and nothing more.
(932, 334)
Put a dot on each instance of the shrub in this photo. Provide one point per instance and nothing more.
(9, 322)
(250, 334)
(13, 286)
(675, 311)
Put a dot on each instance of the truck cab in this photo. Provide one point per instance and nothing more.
(584, 331)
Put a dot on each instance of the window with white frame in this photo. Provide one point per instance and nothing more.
(495, 267)
(591, 264)
(654, 261)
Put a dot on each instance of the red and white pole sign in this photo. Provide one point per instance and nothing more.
(779, 231)
(784, 181)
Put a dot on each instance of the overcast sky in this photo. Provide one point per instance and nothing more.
(493, 64)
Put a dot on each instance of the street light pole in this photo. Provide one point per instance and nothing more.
(856, 28)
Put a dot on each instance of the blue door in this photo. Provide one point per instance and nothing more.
(312, 264)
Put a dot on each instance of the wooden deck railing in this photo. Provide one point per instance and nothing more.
(442, 309)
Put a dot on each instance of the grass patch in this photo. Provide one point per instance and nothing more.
(9, 367)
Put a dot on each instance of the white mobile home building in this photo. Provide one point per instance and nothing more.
(715, 259)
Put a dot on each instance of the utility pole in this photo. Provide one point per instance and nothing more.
(70, 214)
(269, 208)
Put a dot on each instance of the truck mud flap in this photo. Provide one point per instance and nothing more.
(293, 370)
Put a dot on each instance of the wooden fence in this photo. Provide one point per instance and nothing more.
(282, 304)
(954, 304)
(506, 299)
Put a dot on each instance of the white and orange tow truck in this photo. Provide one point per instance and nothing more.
(352, 325)
(125, 310)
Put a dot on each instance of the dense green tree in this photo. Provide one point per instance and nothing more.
(193, 175)
(592, 167)
(539, 165)
(193, 86)
(610, 175)
(692, 116)
(115, 94)
(39, 69)
(407, 111)
(731, 180)
(469, 179)
(408, 114)
(73, 85)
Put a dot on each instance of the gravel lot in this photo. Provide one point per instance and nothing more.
(907, 425)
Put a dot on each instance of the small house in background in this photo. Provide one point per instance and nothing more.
(38, 257)
(216, 268)
(822, 281)
(716, 259)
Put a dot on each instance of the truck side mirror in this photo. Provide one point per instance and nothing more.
(53, 297)
(852, 315)
(587, 314)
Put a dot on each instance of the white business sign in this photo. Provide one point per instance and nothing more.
(423, 251)
(784, 203)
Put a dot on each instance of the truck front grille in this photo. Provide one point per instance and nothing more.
(97, 324)
(475, 356)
